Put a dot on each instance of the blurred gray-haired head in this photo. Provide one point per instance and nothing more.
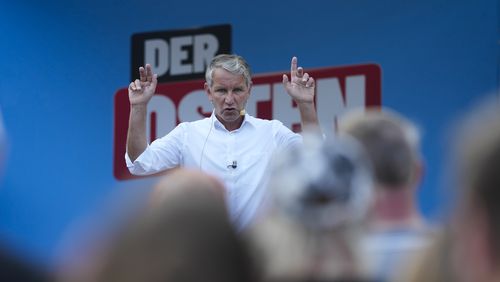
(323, 184)
(319, 196)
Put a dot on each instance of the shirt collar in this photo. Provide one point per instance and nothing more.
(248, 119)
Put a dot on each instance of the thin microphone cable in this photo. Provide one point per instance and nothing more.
(206, 139)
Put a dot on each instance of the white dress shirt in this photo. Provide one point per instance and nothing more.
(239, 158)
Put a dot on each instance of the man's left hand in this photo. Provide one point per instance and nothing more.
(300, 86)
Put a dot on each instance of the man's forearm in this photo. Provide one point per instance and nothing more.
(136, 136)
(308, 117)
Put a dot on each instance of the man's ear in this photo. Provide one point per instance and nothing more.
(208, 91)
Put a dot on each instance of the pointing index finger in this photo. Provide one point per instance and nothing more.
(293, 67)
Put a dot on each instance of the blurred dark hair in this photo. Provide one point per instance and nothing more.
(13, 267)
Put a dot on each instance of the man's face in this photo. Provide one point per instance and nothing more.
(229, 94)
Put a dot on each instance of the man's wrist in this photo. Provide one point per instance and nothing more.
(306, 104)
(138, 107)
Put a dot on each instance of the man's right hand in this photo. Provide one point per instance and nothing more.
(141, 90)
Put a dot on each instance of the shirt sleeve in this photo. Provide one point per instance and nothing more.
(164, 153)
(285, 138)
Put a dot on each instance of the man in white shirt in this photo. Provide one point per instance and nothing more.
(231, 145)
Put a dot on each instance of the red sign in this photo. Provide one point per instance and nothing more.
(337, 89)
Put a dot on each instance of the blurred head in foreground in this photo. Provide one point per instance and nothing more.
(476, 231)
(319, 195)
(184, 235)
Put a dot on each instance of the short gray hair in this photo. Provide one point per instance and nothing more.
(390, 140)
(232, 63)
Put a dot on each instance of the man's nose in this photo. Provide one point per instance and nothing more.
(229, 98)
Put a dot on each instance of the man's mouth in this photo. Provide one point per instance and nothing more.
(229, 109)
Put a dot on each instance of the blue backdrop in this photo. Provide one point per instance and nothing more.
(62, 61)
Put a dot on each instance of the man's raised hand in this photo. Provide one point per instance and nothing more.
(300, 86)
(141, 90)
